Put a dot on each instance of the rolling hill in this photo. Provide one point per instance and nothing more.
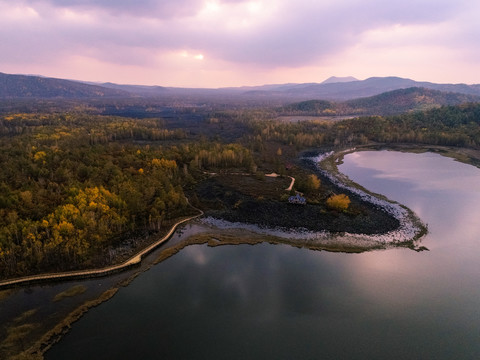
(388, 103)
(403, 100)
(26, 86)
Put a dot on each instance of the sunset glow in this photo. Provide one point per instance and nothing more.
(248, 42)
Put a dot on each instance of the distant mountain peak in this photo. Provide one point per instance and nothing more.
(336, 79)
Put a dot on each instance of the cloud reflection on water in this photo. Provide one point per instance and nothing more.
(278, 301)
(445, 194)
(430, 171)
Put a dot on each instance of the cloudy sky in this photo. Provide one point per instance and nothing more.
(214, 43)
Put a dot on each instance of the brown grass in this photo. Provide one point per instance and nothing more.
(26, 356)
(24, 316)
(235, 237)
(268, 187)
(15, 335)
(54, 335)
(6, 293)
(73, 291)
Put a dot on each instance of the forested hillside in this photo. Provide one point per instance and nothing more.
(405, 100)
(72, 185)
(447, 125)
(388, 103)
(23, 86)
(75, 186)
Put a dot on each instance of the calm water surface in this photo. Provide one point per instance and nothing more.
(280, 302)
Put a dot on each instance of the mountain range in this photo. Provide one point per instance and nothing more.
(336, 89)
(333, 89)
(28, 86)
(363, 88)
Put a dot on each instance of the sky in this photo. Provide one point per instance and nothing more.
(219, 43)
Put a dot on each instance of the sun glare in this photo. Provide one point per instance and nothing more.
(186, 55)
(212, 7)
(254, 7)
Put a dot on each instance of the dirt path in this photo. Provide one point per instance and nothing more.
(276, 175)
(291, 184)
(134, 260)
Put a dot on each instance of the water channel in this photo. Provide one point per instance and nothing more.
(281, 302)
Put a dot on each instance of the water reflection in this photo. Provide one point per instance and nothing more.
(234, 280)
(443, 192)
(281, 302)
(445, 281)
(429, 172)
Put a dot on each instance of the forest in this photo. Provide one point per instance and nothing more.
(447, 125)
(76, 185)
(72, 185)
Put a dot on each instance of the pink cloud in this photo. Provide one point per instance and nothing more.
(272, 39)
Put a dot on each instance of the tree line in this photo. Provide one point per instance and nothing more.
(73, 185)
(448, 125)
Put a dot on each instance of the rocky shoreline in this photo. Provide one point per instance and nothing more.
(410, 227)
(377, 223)
(384, 223)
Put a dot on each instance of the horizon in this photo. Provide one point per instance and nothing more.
(99, 83)
(235, 43)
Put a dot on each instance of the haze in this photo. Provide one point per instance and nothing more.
(217, 43)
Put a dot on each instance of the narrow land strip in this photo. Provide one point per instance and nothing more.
(90, 273)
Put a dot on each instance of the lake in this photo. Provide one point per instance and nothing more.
(281, 302)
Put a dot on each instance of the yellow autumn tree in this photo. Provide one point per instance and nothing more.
(39, 156)
(313, 182)
(338, 202)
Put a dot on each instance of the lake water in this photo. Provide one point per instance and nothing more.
(280, 302)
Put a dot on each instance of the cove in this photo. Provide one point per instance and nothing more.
(281, 302)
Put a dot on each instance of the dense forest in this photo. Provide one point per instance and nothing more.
(389, 103)
(448, 125)
(71, 185)
(74, 185)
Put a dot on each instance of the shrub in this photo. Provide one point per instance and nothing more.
(338, 202)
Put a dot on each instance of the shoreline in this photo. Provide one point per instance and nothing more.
(54, 335)
(92, 273)
(410, 230)
(411, 227)
(328, 169)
